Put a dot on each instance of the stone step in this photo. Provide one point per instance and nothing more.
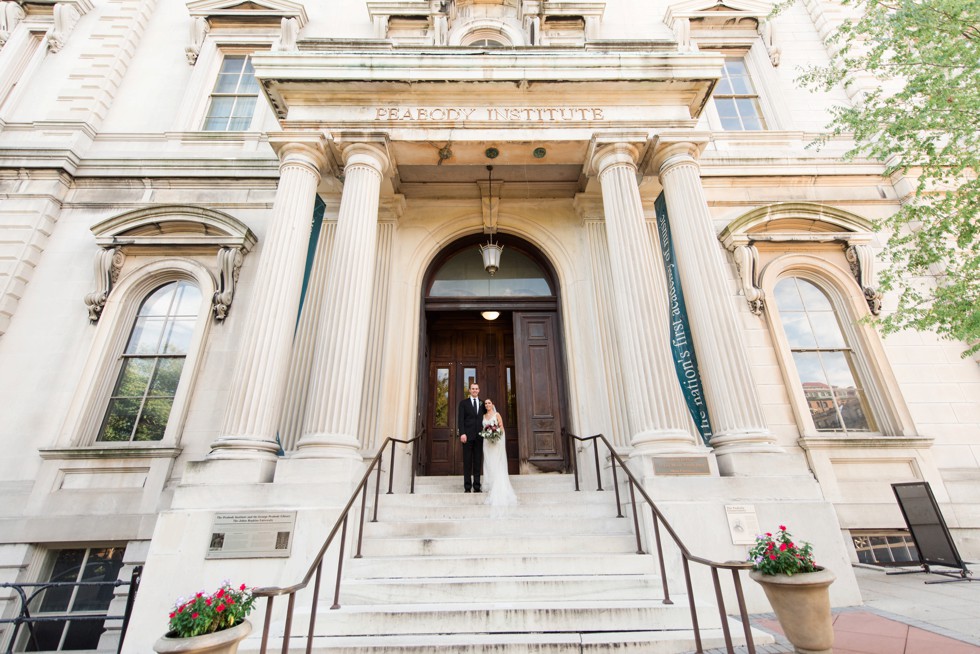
(388, 513)
(498, 565)
(521, 483)
(497, 527)
(468, 589)
(595, 543)
(502, 617)
(630, 642)
(550, 500)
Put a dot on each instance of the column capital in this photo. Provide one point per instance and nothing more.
(308, 149)
(614, 154)
(369, 155)
(668, 154)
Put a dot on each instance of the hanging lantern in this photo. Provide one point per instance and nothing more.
(491, 251)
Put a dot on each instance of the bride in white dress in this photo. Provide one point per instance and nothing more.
(496, 479)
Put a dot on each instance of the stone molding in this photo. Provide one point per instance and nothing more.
(66, 16)
(264, 13)
(861, 259)
(163, 230)
(715, 17)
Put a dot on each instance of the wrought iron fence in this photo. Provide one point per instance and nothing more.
(28, 592)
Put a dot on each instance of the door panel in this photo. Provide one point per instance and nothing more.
(538, 377)
(462, 350)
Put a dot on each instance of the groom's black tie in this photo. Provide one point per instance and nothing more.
(474, 405)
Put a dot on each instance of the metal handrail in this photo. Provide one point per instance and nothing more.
(687, 556)
(24, 617)
(317, 566)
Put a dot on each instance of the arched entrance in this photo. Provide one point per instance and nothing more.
(516, 357)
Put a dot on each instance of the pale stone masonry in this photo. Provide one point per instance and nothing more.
(147, 143)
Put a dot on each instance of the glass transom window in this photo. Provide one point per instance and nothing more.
(151, 365)
(736, 99)
(234, 96)
(823, 358)
(463, 276)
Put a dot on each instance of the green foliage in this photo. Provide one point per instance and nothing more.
(921, 117)
(779, 555)
(205, 614)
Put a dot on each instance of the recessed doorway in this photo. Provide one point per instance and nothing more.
(517, 357)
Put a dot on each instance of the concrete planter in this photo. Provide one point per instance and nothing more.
(802, 606)
(220, 642)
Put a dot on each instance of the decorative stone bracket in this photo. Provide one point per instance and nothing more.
(66, 16)
(108, 263)
(199, 30)
(11, 13)
(229, 265)
(861, 259)
(289, 34)
(747, 262)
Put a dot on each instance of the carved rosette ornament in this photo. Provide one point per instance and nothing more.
(108, 263)
(229, 265)
(747, 262)
(861, 259)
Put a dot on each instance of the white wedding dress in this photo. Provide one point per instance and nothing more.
(496, 480)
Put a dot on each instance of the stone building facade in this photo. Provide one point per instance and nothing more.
(239, 247)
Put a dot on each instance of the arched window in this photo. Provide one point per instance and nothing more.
(463, 275)
(151, 364)
(824, 360)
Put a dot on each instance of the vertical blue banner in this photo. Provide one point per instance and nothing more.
(681, 345)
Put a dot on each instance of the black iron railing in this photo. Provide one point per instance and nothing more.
(29, 592)
(316, 568)
(687, 557)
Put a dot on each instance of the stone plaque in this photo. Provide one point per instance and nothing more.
(252, 535)
(743, 523)
(681, 465)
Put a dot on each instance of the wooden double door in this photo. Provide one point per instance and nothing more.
(515, 360)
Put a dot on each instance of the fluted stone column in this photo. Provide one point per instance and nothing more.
(655, 407)
(736, 415)
(259, 383)
(330, 428)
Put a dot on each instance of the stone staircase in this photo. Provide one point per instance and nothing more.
(557, 574)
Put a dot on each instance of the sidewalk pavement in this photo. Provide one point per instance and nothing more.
(901, 615)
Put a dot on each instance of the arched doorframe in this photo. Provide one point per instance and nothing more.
(524, 348)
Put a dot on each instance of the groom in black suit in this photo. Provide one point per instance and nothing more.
(469, 423)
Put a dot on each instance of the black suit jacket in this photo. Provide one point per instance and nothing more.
(468, 421)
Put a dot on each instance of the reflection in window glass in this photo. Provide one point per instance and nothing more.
(441, 417)
(824, 360)
(469, 377)
(511, 397)
(234, 96)
(463, 275)
(736, 100)
(151, 365)
(71, 566)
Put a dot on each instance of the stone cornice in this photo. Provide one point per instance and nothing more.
(521, 76)
(865, 442)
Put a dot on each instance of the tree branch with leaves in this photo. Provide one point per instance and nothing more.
(920, 118)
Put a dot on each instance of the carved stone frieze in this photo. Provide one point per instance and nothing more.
(861, 259)
(229, 265)
(108, 263)
(747, 262)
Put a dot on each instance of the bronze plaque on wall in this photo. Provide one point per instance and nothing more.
(252, 535)
(681, 465)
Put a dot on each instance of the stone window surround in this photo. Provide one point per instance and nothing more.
(197, 95)
(879, 383)
(766, 85)
(142, 250)
(20, 59)
(113, 331)
(849, 293)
